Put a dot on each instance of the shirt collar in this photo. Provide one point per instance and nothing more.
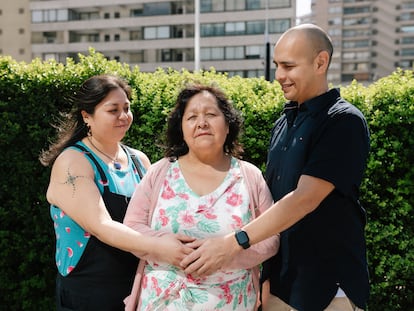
(318, 103)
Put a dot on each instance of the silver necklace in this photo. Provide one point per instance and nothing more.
(115, 162)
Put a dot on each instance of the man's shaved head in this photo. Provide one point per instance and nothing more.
(315, 36)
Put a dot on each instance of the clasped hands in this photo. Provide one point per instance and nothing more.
(199, 258)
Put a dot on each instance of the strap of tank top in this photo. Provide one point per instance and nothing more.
(134, 158)
(98, 166)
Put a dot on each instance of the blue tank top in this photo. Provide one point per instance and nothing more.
(71, 239)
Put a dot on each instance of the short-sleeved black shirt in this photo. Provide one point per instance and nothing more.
(325, 137)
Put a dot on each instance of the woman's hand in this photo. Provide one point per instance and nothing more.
(210, 255)
(171, 248)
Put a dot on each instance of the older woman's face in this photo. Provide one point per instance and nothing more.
(203, 124)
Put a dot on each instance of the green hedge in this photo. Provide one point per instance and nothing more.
(32, 95)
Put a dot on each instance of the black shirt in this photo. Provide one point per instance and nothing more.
(325, 137)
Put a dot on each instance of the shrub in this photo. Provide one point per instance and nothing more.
(32, 95)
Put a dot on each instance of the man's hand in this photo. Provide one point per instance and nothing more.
(210, 255)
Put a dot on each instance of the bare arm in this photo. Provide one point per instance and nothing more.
(73, 190)
(217, 253)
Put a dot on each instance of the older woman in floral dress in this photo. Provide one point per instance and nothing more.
(201, 189)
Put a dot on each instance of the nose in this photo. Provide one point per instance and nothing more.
(202, 123)
(123, 115)
(279, 74)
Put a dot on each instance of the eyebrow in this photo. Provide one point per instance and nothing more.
(116, 103)
(284, 63)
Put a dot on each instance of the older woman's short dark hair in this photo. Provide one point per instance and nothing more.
(176, 145)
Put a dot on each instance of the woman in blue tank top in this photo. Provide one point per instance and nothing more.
(92, 180)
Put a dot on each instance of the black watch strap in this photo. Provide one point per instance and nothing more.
(242, 238)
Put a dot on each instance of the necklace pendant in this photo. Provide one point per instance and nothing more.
(117, 165)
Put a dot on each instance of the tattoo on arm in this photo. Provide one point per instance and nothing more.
(71, 179)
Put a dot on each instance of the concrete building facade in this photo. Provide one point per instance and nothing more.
(154, 33)
(15, 29)
(371, 37)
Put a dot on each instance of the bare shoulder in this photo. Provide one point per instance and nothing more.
(70, 169)
(73, 161)
(143, 157)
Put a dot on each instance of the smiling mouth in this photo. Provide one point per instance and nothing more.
(286, 86)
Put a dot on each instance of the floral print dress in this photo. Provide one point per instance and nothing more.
(180, 210)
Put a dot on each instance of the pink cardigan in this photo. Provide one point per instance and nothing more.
(142, 205)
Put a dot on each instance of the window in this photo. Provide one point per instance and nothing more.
(279, 25)
(334, 32)
(407, 29)
(234, 28)
(242, 28)
(356, 10)
(405, 64)
(234, 52)
(335, 10)
(355, 67)
(254, 52)
(88, 16)
(254, 4)
(135, 35)
(50, 36)
(137, 57)
(117, 15)
(355, 44)
(210, 30)
(214, 53)
(211, 6)
(407, 40)
(62, 15)
(37, 16)
(255, 27)
(407, 52)
(335, 21)
(356, 21)
(48, 16)
(107, 38)
(136, 12)
(161, 8)
(348, 33)
(53, 56)
(356, 55)
(235, 5)
(117, 37)
(106, 15)
(160, 32)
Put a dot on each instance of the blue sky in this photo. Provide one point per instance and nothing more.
(302, 7)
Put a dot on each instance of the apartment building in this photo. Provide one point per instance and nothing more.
(15, 29)
(228, 35)
(371, 37)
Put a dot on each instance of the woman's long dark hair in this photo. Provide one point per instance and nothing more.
(175, 144)
(71, 127)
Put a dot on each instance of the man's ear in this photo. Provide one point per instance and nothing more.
(322, 61)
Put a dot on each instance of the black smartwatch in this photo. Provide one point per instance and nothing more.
(242, 238)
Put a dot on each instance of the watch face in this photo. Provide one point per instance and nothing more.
(243, 239)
